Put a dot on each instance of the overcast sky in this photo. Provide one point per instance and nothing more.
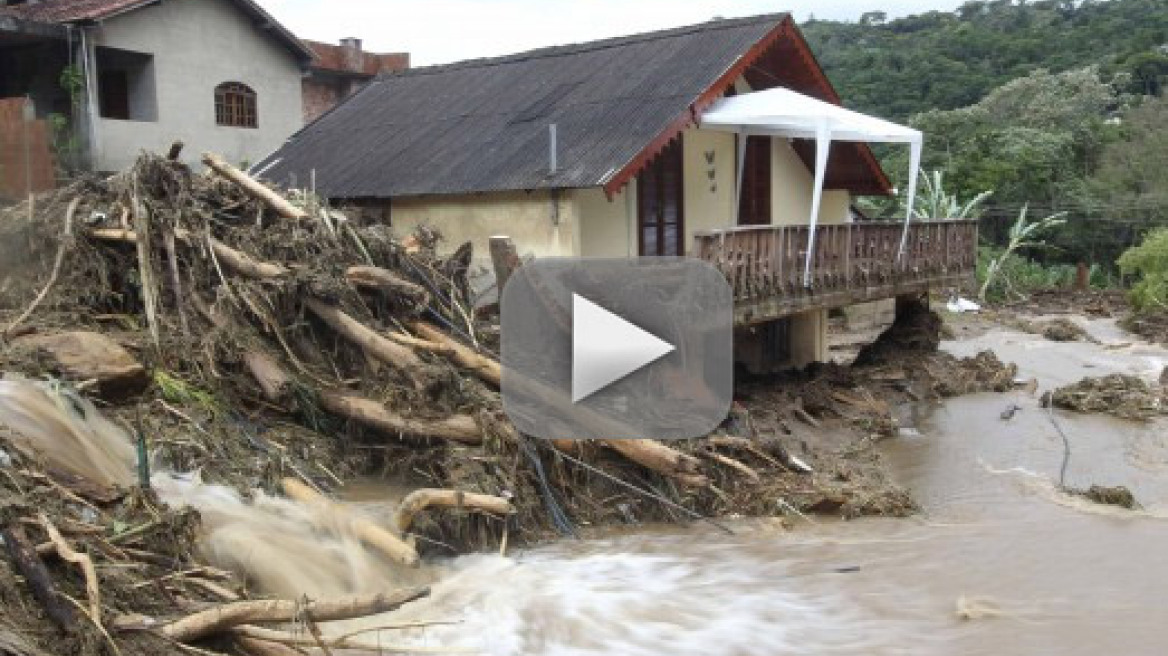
(439, 31)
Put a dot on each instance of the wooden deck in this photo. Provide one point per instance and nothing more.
(853, 263)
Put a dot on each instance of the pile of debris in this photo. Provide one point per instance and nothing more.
(271, 344)
(1120, 395)
(1152, 326)
(1059, 329)
(1109, 496)
(910, 346)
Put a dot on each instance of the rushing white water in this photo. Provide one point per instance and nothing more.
(1001, 561)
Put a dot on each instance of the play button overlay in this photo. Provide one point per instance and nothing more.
(617, 348)
(606, 348)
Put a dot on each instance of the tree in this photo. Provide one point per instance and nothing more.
(1028, 140)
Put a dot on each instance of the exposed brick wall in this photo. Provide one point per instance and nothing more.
(319, 97)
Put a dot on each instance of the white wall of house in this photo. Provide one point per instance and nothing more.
(195, 46)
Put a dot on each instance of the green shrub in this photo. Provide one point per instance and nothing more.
(1149, 261)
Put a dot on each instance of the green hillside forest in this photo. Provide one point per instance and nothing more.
(1057, 105)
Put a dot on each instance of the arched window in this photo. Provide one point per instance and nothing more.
(235, 105)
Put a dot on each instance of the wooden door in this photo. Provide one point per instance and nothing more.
(660, 211)
(755, 202)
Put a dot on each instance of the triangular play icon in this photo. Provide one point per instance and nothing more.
(606, 348)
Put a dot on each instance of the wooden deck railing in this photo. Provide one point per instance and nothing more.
(852, 263)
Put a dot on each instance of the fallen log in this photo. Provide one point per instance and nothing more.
(419, 344)
(257, 647)
(378, 279)
(365, 530)
(482, 366)
(419, 500)
(457, 428)
(236, 261)
(648, 453)
(661, 459)
(372, 343)
(245, 265)
(273, 381)
(26, 563)
(223, 617)
(253, 187)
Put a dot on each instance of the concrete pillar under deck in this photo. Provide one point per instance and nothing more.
(789, 343)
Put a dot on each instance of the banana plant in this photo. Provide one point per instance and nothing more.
(934, 202)
(1023, 234)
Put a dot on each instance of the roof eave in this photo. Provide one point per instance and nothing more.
(262, 18)
(785, 28)
(15, 25)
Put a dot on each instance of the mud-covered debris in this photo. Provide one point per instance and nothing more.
(1117, 495)
(1062, 330)
(984, 372)
(1059, 329)
(1120, 395)
(1152, 326)
(917, 329)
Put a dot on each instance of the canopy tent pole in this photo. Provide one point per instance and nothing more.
(914, 167)
(740, 139)
(822, 150)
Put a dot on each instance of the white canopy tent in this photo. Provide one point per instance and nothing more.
(785, 113)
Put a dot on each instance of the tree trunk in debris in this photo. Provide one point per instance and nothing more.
(253, 187)
(648, 453)
(233, 260)
(457, 428)
(366, 531)
(419, 500)
(256, 647)
(482, 366)
(273, 381)
(660, 458)
(221, 618)
(245, 265)
(505, 259)
(378, 279)
(375, 345)
(32, 570)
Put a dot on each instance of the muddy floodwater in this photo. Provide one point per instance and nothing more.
(999, 562)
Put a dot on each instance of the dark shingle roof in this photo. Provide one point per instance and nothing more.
(82, 11)
(482, 125)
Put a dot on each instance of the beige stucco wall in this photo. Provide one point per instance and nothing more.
(709, 186)
(610, 229)
(197, 45)
(529, 218)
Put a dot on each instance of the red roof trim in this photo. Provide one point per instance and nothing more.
(786, 28)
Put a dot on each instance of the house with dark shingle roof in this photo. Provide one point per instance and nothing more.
(220, 75)
(609, 149)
